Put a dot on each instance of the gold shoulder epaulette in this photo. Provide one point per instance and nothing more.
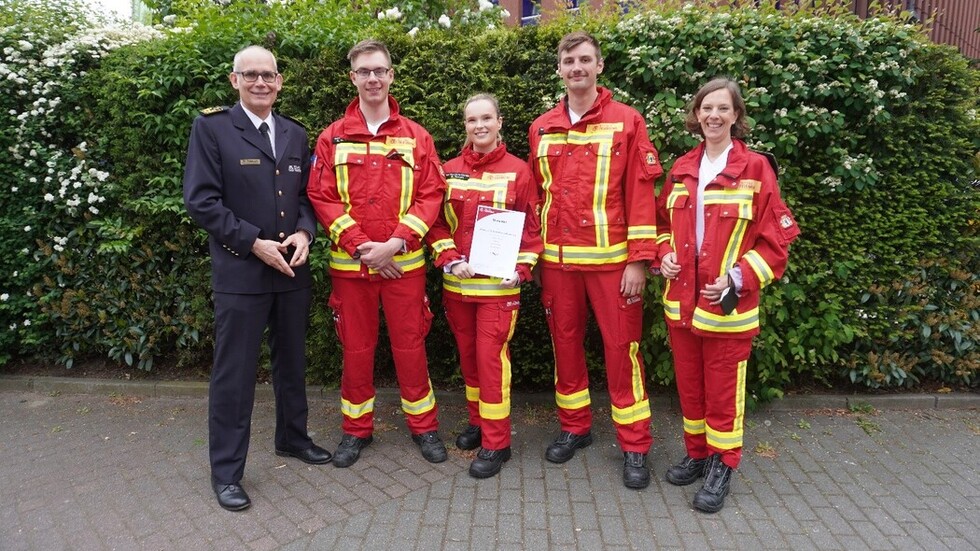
(212, 110)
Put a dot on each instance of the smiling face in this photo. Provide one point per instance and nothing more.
(716, 115)
(482, 125)
(372, 74)
(579, 67)
(257, 96)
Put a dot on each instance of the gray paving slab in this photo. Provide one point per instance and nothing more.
(120, 466)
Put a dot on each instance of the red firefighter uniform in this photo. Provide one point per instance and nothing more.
(746, 227)
(482, 313)
(597, 178)
(367, 187)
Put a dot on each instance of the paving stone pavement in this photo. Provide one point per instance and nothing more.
(124, 471)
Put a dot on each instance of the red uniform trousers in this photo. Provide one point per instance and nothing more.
(355, 306)
(711, 384)
(483, 331)
(620, 321)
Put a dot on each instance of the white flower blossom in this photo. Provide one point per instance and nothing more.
(413, 32)
(445, 21)
(4, 297)
(27, 323)
(485, 5)
(27, 229)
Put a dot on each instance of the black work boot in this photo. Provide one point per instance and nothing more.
(717, 482)
(489, 462)
(470, 438)
(687, 471)
(563, 448)
(433, 450)
(636, 475)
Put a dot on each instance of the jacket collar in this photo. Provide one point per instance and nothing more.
(476, 161)
(557, 119)
(688, 164)
(239, 118)
(354, 124)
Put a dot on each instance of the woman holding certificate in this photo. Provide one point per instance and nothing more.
(724, 233)
(489, 192)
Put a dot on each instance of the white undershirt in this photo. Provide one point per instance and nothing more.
(373, 128)
(258, 122)
(573, 116)
(707, 172)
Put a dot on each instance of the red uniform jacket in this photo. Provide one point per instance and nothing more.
(746, 224)
(371, 188)
(497, 179)
(597, 179)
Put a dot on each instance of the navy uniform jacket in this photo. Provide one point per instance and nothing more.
(237, 191)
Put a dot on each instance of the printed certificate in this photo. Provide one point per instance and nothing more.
(496, 241)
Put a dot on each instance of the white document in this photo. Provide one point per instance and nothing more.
(496, 241)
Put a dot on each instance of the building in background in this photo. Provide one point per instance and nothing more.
(957, 22)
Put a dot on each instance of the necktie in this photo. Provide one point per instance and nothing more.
(264, 129)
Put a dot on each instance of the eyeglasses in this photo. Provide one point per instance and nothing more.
(380, 72)
(251, 76)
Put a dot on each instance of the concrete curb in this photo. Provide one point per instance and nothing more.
(185, 389)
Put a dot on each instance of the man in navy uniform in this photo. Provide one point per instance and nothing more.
(245, 184)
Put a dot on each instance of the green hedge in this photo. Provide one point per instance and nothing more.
(875, 129)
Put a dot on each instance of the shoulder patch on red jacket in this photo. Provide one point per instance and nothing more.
(788, 229)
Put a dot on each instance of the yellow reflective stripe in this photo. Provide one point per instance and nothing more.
(638, 391)
(631, 414)
(577, 400)
(505, 374)
(451, 218)
(734, 244)
(663, 238)
(672, 308)
(442, 245)
(729, 440)
(355, 411)
(641, 232)
(494, 412)
(340, 260)
(472, 393)
(527, 258)
(341, 224)
(546, 179)
(477, 287)
(676, 193)
(693, 426)
(496, 182)
(415, 224)
(760, 267)
(407, 191)
(572, 254)
(601, 192)
(732, 323)
(420, 406)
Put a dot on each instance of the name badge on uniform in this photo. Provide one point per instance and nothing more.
(247, 162)
(295, 168)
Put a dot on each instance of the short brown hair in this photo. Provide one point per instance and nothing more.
(366, 47)
(740, 128)
(573, 39)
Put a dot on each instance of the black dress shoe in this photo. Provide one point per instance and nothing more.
(433, 450)
(349, 450)
(470, 438)
(636, 475)
(231, 496)
(687, 471)
(488, 462)
(314, 455)
(717, 482)
(563, 448)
